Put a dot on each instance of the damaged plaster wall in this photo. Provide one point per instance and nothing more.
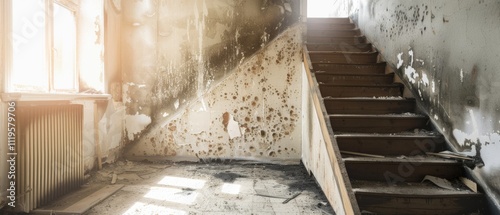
(110, 128)
(448, 54)
(112, 46)
(254, 113)
(90, 22)
(174, 51)
(100, 71)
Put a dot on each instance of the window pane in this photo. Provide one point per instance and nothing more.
(64, 48)
(29, 71)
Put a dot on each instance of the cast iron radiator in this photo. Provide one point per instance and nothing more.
(49, 153)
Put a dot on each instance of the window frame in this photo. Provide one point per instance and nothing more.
(71, 5)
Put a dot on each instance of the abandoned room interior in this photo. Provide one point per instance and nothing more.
(250, 107)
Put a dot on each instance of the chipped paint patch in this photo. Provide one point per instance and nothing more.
(176, 104)
(411, 74)
(467, 139)
(134, 124)
(425, 80)
(462, 75)
(420, 61)
(233, 128)
(411, 57)
(400, 60)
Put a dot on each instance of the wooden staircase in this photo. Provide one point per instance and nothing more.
(382, 137)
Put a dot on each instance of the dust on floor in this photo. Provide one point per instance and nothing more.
(215, 188)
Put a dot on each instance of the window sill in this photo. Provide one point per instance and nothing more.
(52, 96)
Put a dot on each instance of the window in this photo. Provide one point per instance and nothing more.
(43, 46)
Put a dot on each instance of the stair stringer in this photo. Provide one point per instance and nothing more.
(320, 153)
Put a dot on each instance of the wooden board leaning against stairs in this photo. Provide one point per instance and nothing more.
(381, 135)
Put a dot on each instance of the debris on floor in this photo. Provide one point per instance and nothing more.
(215, 188)
(440, 182)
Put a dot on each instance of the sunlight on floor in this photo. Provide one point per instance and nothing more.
(144, 208)
(182, 182)
(172, 195)
(231, 188)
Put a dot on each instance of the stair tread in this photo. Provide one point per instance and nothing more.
(329, 20)
(353, 29)
(414, 160)
(356, 64)
(386, 98)
(408, 189)
(335, 39)
(362, 85)
(363, 47)
(352, 74)
(309, 44)
(340, 37)
(410, 115)
(343, 52)
(407, 135)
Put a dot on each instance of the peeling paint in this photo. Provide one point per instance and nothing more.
(182, 49)
(233, 128)
(251, 114)
(425, 80)
(400, 60)
(462, 75)
(176, 104)
(411, 74)
(410, 53)
(134, 124)
(422, 63)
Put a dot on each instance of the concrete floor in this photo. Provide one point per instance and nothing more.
(215, 188)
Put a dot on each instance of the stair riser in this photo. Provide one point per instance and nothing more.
(343, 91)
(344, 58)
(322, 26)
(333, 33)
(377, 125)
(391, 146)
(346, 68)
(327, 21)
(403, 205)
(399, 172)
(352, 79)
(337, 40)
(369, 107)
(365, 47)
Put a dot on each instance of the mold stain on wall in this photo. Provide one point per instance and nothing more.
(254, 113)
(177, 50)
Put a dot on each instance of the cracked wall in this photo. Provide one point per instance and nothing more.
(447, 53)
(254, 113)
